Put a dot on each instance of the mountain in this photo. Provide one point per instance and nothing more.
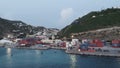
(92, 21)
(8, 26)
(18, 27)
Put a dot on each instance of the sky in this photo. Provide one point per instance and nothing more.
(51, 13)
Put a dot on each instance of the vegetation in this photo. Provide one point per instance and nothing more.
(16, 28)
(92, 21)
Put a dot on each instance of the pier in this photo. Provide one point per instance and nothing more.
(33, 48)
(61, 48)
(93, 53)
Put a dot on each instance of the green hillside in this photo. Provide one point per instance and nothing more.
(92, 21)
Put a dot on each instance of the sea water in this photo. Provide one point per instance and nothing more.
(23, 58)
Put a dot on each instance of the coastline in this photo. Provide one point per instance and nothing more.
(71, 51)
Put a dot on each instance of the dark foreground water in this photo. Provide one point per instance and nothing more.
(21, 58)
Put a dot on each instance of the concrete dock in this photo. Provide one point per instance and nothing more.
(61, 48)
(93, 53)
(33, 48)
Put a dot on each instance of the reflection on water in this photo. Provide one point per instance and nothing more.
(9, 55)
(38, 53)
(22, 58)
(9, 52)
(118, 60)
(73, 61)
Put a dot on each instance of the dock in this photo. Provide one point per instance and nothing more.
(61, 48)
(33, 48)
(93, 53)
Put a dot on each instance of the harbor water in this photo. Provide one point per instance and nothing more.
(23, 58)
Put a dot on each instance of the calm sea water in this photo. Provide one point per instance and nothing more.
(21, 58)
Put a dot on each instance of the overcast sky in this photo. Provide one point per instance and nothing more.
(51, 13)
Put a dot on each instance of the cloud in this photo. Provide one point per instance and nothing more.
(65, 17)
(66, 13)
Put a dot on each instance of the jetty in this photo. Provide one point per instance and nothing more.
(94, 53)
(61, 48)
(33, 48)
(110, 52)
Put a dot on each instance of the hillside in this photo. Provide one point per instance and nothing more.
(93, 21)
(17, 27)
